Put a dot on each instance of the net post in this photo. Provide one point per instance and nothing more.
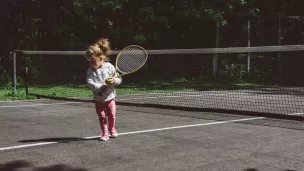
(248, 44)
(14, 81)
(25, 75)
(215, 57)
(279, 65)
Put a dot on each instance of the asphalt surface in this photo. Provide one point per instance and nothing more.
(44, 135)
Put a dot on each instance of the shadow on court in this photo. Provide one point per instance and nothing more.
(253, 169)
(21, 164)
(58, 140)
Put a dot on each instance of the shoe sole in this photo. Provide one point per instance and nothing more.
(103, 139)
(113, 136)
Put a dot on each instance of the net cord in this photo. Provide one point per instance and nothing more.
(256, 49)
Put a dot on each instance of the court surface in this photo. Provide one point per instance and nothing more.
(44, 135)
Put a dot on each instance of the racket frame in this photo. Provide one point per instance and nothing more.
(117, 58)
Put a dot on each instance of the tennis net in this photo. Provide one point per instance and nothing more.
(261, 80)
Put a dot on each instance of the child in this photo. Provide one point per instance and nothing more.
(100, 78)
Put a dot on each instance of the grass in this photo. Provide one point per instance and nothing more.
(156, 86)
(9, 95)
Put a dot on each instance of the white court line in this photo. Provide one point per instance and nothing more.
(41, 104)
(157, 97)
(129, 133)
(200, 95)
(293, 114)
(27, 100)
(135, 98)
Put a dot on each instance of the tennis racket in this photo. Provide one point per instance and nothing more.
(129, 60)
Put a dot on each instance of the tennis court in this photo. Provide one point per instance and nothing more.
(168, 118)
(262, 91)
(199, 85)
(63, 135)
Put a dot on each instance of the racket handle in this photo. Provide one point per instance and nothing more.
(117, 76)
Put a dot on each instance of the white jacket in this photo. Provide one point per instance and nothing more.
(96, 81)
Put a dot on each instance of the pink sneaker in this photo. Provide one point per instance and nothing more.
(113, 133)
(104, 137)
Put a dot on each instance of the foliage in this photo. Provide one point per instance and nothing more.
(73, 24)
(4, 77)
(154, 24)
(19, 84)
(233, 71)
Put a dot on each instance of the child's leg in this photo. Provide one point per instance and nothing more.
(100, 110)
(112, 117)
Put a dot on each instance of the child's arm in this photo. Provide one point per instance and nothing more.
(91, 84)
(115, 80)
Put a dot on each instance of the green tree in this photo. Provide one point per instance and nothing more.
(157, 24)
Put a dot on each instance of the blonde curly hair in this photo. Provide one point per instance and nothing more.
(96, 50)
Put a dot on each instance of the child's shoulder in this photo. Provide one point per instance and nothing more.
(108, 64)
(90, 69)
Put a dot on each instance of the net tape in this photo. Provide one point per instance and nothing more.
(256, 49)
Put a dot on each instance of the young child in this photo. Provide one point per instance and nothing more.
(100, 78)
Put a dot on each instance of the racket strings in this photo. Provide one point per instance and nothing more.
(131, 59)
(128, 63)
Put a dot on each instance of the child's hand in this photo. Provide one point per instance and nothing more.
(110, 81)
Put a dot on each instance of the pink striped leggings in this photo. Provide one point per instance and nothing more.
(104, 111)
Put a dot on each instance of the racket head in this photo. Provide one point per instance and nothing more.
(130, 59)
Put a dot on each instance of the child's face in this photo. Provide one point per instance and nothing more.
(96, 62)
